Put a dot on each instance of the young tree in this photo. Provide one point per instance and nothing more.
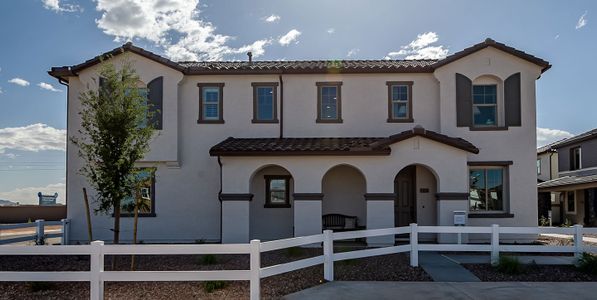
(115, 134)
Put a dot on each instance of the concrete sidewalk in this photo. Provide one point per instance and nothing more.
(347, 290)
(524, 259)
(443, 269)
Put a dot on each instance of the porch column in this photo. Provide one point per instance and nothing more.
(235, 218)
(447, 203)
(380, 214)
(307, 213)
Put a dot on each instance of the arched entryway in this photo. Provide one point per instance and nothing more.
(415, 187)
(344, 189)
(271, 215)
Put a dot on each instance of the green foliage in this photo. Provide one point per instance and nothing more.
(566, 223)
(113, 136)
(38, 286)
(209, 259)
(211, 286)
(510, 265)
(588, 263)
(543, 221)
(294, 251)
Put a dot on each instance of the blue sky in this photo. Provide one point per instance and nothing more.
(39, 34)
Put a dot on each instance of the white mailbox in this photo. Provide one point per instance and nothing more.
(459, 218)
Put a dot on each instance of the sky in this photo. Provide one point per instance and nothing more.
(38, 34)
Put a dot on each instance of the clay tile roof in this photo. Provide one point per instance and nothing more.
(328, 146)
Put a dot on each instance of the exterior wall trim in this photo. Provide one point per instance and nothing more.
(451, 196)
(380, 196)
(491, 163)
(491, 215)
(236, 197)
(307, 196)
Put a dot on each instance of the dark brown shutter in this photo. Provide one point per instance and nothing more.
(464, 101)
(155, 98)
(512, 100)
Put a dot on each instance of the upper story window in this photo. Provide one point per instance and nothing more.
(486, 189)
(265, 98)
(485, 108)
(329, 102)
(400, 101)
(575, 158)
(538, 166)
(211, 103)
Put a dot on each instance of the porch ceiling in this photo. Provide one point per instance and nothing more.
(329, 145)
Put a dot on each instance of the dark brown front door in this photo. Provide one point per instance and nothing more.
(404, 206)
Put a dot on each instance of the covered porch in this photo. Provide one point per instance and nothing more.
(279, 188)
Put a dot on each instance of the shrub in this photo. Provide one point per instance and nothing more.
(588, 263)
(294, 251)
(543, 221)
(566, 223)
(510, 265)
(38, 286)
(209, 259)
(211, 286)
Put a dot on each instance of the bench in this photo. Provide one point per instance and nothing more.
(339, 222)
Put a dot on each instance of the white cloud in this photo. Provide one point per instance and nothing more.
(19, 81)
(28, 195)
(547, 136)
(1, 90)
(290, 37)
(47, 86)
(57, 7)
(34, 137)
(272, 19)
(353, 52)
(421, 48)
(173, 25)
(557, 36)
(331, 30)
(582, 21)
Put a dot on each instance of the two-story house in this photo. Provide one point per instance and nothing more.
(573, 191)
(264, 149)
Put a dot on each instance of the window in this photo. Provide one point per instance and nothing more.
(210, 103)
(400, 101)
(265, 100)
(485, 105)
(570, 202)
(575, 159)
(142, 92)
(277, 191)
(486, 189)
(538, 166)
(145, 195)
(329, 102)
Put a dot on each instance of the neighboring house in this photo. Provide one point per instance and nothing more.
(263, 149)
(547, 169)
(575, 187)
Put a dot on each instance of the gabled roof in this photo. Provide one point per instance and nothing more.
(329, 145)
(297, 66)
(491, 43)
(591, 134)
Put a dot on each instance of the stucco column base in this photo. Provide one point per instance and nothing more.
(380, 214)
(235, 218)
(307, 214)
(446, 205)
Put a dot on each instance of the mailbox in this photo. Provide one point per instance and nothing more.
(459, 218)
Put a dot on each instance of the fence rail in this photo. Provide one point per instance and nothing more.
(97, 251)
(40, 236)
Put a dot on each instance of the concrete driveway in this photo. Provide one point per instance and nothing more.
(449, 290)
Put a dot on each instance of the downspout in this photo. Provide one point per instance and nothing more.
(281, 107)
(219, 196)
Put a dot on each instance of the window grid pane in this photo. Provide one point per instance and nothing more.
(486, 189)
(265, 103)
(485, 105)
(400, 105)
(329, 102)
(211, 103)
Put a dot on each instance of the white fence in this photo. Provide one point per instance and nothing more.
(40, 236)
(97, 250)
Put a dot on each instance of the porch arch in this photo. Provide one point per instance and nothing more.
(344, 187)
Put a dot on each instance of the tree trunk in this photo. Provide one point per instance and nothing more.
(89, 231)
(135, 222)
(117, 221)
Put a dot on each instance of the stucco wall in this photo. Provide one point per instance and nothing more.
(549, 166)
(344, 193)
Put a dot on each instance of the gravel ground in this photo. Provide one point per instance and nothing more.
(562, 273)
(388, 267)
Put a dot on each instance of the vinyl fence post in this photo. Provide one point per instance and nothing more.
(96, 291)
(65, 231)
(414, 245)
(495, 244)
(328, 255)
(255, 278)
(578, 242)
(39, 232)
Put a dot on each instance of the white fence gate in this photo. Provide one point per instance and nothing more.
(97, 250)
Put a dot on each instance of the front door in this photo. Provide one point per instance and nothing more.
(405, 211)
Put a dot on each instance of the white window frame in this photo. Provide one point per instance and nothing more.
(538, 166)
(497, 109)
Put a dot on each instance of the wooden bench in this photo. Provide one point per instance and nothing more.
(339, 222)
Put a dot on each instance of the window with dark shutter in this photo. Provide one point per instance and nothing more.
(155, 99)
(512, 100)
(464, 101)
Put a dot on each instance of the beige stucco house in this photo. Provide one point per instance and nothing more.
(264, 149)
